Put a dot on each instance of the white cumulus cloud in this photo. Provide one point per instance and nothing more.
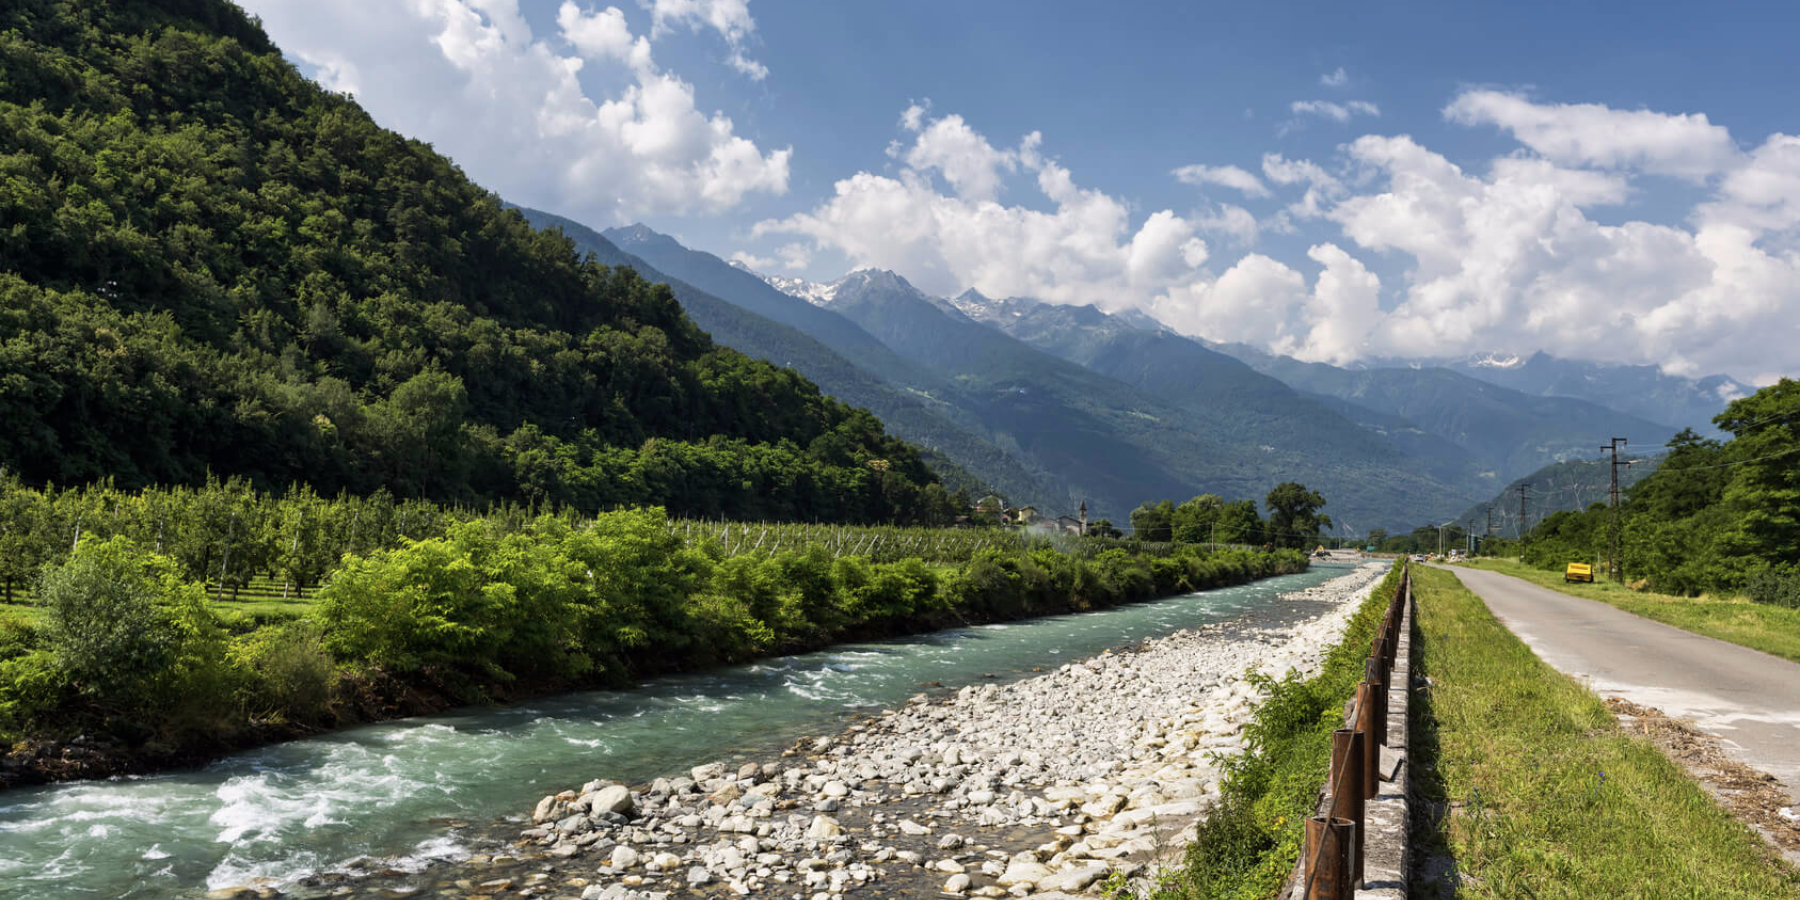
(510, 107)
(1685, 146)
(938, 221)
(1337, 78)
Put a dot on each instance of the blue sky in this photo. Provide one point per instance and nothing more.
(1645, 206)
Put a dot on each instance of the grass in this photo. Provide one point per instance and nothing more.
(1773, 630)
(1544, 795)
(258, 603)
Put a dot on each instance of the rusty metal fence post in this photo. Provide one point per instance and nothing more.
(1348, 800)
(1330, 841)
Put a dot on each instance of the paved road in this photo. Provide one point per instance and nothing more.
(1750, 700)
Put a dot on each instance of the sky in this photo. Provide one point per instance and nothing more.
(1336, 182)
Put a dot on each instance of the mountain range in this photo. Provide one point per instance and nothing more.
(1099, 438)
(1054, 405)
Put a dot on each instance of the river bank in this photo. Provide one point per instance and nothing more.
(380, 644)
(1049, 784)
(314, 817)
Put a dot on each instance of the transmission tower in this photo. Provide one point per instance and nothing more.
(1614, 567)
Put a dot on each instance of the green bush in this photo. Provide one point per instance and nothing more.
(1775, 586)
(126, 630)
(292, 673)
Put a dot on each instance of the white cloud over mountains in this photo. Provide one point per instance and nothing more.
(1505, 257)
(510, 107)
(939, 221)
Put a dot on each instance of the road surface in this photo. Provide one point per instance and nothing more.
(1749, 700)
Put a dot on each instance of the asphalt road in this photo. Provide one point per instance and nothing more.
(1749, 700)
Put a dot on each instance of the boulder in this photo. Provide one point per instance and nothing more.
(823, 828)
(611, 799)
(1022, 872)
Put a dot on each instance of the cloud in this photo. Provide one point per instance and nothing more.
(1233, 223)
(1589, 134)
(730, 18)
(971, 165)
(1321, 186)
(1227, 176)
(1076, 245)
(1511, 261)
(1506, 255)
(758, 263)
(1336, 112)
(794, 257)
(511, 109)
(1335, 79)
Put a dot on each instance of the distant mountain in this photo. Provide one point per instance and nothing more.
(1226, 394)
(1643, 391)
(748, 290)
(1134, 424)
(1514, 432)
(1572, 485)
(909, 413)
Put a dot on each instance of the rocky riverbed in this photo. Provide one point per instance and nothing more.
(1045, 786)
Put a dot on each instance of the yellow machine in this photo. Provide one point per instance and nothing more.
(1579, 572)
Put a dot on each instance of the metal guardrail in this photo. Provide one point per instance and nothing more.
(1335, 841)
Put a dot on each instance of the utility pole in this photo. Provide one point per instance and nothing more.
(1522, 528)
(1613, 568)
(1489, 532)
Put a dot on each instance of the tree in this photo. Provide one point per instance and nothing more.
(1194, 520)
(1377, 536)
(1294, 519)
(125, 628)
(1104, 528)
(1153, 521)
(1239, 524)
(1765, 482)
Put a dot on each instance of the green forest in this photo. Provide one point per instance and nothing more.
(211, 265)
(1718, 517)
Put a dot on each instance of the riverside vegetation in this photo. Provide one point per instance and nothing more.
(424, 607)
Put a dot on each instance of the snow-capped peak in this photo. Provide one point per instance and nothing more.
(811, 291)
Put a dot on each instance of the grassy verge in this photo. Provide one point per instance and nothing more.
(1543, 795)
(1773, 630)
(1246, 848)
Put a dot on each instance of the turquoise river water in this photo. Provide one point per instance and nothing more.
(409, 792)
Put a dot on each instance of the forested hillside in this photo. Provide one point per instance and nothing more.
(1566, 486)
(209, 263)
(1714, 516)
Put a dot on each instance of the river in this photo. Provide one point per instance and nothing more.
(409, 792)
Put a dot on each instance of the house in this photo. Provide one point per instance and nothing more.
(1024, 515)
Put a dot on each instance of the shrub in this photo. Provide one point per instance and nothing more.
(1775, 586)
(293, 671)
(125, 629)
